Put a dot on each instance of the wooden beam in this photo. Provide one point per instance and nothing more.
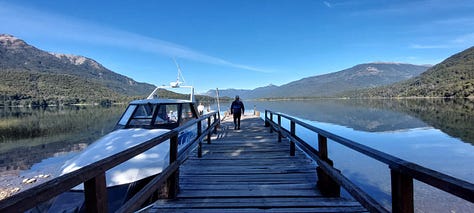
(95, 192)
(279, 128)
(293, 134)
(209, 133)
(173, 180)
(402, 192)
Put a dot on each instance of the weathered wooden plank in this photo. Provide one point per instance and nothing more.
(277, 200)
(254, 170)
(251, 177)
(256, 210)
(282, 161)
(257, 193)
(254, 203)
(308, 186)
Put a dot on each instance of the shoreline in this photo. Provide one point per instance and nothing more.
(14, 182)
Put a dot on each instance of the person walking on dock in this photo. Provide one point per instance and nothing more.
(237, 109)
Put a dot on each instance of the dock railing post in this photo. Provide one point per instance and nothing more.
(271, 119)
(402, 192)
(326, 184)
(267, 124)
(95, 192)
(216, 116)
(199, 133)
(279, 128)
(173, 180)
(293, 134)
(209, 133)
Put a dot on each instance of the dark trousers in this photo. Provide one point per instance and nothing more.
(237, 120)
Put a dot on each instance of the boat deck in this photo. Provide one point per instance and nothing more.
(248, 170)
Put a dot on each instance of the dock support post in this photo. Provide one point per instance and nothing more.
(402, 192)
(293, 134)
(219, 121)
(209, 134)
(271, 119)
(267, 124)
(199, 133)
(173, 180)
(279, 128)
(95, 192)
(326, 184)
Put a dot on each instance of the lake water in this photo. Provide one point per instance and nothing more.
(434, 133)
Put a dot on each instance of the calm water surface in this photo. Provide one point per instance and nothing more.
(437, 134)
(38, 141)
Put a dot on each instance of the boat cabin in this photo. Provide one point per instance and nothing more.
(157, 114)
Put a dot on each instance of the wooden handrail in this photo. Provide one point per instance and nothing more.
(93, 175)
(403, 172)
(138, 199)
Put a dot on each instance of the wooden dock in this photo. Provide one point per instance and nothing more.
(248, 170)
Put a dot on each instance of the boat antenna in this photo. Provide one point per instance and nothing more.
(179, 77)
(175, 84)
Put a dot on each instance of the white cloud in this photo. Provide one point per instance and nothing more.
(462, 41)
(327, 4)
(467, 39)
(33, 22)
(422, 46)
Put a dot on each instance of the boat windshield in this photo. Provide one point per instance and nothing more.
(126, 116)
(160, 116)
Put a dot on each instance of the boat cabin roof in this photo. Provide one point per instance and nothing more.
(160, 101)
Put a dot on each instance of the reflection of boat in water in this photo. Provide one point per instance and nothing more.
(142, 120)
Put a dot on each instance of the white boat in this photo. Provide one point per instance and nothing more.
(142, 120)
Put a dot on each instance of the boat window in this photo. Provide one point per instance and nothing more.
(186, 113)
(127, 114)
(167, 114)
(143, 115)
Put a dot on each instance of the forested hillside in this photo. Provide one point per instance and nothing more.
(452, 78)
(30, 76)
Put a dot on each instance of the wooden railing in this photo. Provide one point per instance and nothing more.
(402, 172)
(93, 175)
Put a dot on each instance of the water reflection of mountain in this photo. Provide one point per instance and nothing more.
(31, 135)
(23, 158)
(353, 114)
(453, 117)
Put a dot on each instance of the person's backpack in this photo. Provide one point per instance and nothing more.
(237, 107)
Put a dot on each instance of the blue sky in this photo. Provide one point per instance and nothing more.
(246, 43)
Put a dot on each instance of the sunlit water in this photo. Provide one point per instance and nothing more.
(436, 134)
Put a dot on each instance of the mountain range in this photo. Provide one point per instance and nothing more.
(29, 74)
(369, 75)
(452, 78)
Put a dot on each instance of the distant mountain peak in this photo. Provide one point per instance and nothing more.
(395, 63)
(372, 70)
(78, 60)
(271, 85)
(452, 78)
(386, 62)
(12, 42)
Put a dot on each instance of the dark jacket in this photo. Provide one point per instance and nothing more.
(237, 107)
